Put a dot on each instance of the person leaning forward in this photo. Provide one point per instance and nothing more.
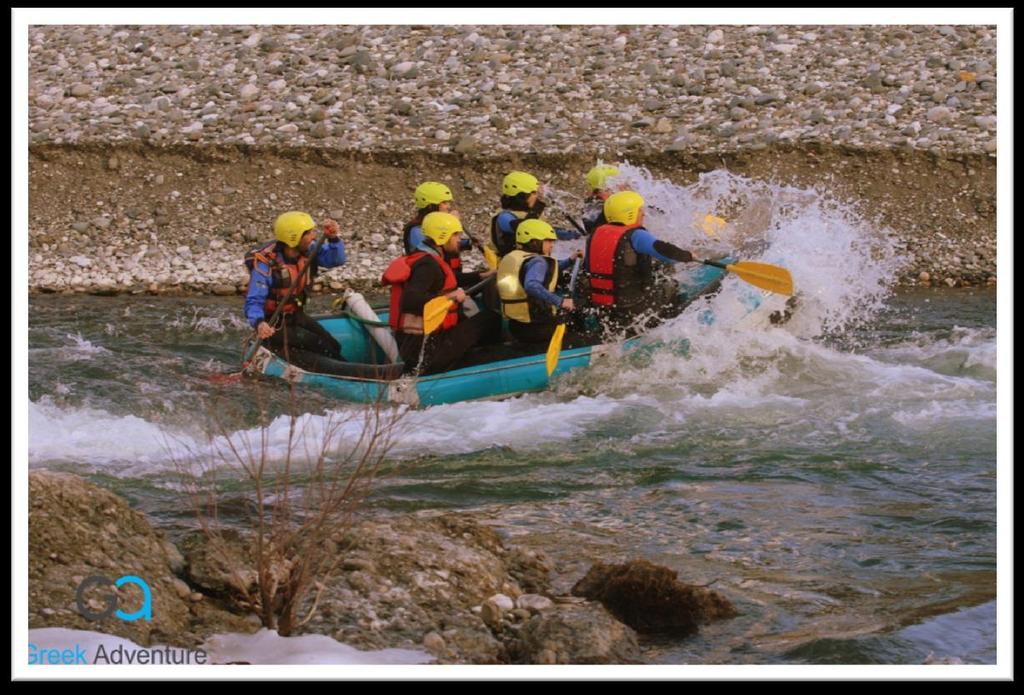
(527, 280)
(593, 205)
(274, 268)
(423, 275)
(620, 262)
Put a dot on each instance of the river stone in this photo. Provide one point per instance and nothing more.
(649, 598)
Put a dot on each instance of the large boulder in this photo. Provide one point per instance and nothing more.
(650, 599)
(77, 530)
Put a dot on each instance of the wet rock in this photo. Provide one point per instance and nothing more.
(77, 530)
(576, 635)
(649, 598)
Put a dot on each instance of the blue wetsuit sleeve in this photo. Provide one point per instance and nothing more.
(564, 263)
(567, 234)
(533, 283)
(643, 242)
(332, 254)
(465, 244)
(505, 221)
(416, 237)
(256, 296)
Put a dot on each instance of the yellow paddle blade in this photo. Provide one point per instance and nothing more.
(764, 275)
(712, 225)
(434, 312)
(491, 258)
(555, 347)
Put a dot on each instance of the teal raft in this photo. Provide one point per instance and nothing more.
(369, 376)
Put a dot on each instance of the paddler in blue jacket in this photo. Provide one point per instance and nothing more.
(527, 279)
(520, 200)
(274, 268)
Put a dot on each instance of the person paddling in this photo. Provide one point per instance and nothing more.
(421, 276)
(520, 200)
(593, 205)
(279, 274)
(621, 258)
(527, 282)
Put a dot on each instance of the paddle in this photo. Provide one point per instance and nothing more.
(555, 346)
(437, 308)
(768, 277)
(254, 341)
(490, 257)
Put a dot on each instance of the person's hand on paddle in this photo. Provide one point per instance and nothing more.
(331, 229)
(457, 295)
(264, 330)
(567, 304)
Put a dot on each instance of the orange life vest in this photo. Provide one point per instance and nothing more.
(282, 276)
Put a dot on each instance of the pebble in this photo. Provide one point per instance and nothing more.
(487, 78)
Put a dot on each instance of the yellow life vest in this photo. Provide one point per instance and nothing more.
(515, 303)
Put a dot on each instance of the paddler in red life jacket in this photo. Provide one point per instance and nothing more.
(274, 268)
(527, 279)
(423, 275)
(620, 262)
(593, 205)
(520, 200)
(429, 197)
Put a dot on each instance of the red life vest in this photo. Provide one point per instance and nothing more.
(282, 276)
(618, 275)
(398, 274)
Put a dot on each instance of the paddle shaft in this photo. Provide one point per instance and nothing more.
(555, 346)
(723, 266)
(435, 309)
(492, 264)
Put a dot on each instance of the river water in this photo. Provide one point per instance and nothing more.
(834, 477)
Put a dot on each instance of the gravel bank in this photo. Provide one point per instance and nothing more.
(493, 89)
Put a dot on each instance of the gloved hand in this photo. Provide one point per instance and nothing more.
(331, 229)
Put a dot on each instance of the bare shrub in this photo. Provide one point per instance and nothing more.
(301, 499)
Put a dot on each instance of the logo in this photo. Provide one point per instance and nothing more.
(146, 611)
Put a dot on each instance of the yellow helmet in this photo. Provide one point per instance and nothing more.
(531, 229)
(519, 182)
(431, 193)
(290, 226)
(597, 176)
(440, 226)
(623, 207)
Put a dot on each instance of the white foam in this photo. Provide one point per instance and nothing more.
(91, 436)
(75, 349)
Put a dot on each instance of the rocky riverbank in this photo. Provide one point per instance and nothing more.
(178, 220)
(445, 584)
(159, 154)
